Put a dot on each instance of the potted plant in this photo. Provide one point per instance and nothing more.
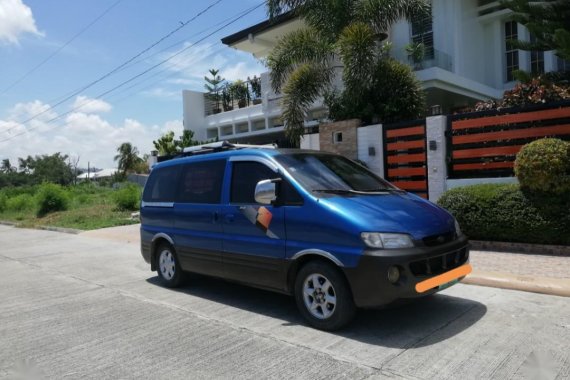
(227, 98)
(416, 53)
(255, 83)
(240, 92)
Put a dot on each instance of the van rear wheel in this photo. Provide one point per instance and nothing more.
(169, 270)
(323, 296)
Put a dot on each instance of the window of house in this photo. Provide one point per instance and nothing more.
(337, 137)
(511, 54)
(201, 182)
(536, 59)
(161, 186)
(422, 32)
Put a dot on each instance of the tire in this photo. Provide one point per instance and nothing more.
(167, 265)
(323, 296)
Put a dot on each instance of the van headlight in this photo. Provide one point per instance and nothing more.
(386, 240)
(458, 231)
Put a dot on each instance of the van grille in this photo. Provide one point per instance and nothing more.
(439, 264)
(439, 239)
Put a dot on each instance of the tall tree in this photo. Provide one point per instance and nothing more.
(349, 30)
(6, 166)
(127, 157)
(52, 168)
(213, 86)
(548, 21)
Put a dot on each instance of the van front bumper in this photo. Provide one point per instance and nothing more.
(423, 271)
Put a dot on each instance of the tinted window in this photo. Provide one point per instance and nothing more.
(161, 185)
(245, 176)
(201, 182)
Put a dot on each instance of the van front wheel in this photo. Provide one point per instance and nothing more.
(323, 296)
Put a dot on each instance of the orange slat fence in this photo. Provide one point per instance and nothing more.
(405, 160)
(485, 144)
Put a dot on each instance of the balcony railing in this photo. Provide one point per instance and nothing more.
(234, 95)
(432, 58)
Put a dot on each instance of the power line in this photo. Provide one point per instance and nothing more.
(182, 25)
(132, 78)
(45, 60)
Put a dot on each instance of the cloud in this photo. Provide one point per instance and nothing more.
(87, 135)
(187, 70)
(89, 105)
(16, 18)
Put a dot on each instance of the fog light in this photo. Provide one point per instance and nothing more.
(393, 274)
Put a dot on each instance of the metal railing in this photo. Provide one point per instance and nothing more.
(432, 58)
(234, 95)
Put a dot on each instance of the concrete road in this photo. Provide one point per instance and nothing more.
(73, 306)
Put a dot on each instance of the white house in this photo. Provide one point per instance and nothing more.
(467, 59)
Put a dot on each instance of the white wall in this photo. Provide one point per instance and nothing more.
(310, 142)
(371, 137)
(193, 108)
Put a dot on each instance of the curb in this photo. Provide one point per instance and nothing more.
(543, 285)
(72, 231)
(509, 247)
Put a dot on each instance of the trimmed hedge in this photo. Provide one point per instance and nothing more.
(544, 165)
(499, 212)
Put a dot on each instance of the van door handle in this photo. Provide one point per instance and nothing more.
(215, 217)
(229, 218)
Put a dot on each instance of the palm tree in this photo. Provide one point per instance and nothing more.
(127, 158)
(347, 30)
(6, 166)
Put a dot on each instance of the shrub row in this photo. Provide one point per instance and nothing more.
(500, 212)
(49, 197)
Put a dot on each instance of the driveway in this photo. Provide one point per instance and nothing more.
(84, 306)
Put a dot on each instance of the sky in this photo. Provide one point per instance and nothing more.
(54, 50)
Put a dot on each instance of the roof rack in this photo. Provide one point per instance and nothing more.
(218, 146)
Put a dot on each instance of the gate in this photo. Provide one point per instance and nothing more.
(405, 160)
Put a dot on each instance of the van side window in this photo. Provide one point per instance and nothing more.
(161, 186)
(245, 175)
(201, 182)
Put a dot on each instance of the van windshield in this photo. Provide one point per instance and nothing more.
(330, 173)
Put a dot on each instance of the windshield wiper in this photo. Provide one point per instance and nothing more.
(385, 190)
(335, 191)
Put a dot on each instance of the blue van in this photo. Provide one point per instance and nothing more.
(311, 224)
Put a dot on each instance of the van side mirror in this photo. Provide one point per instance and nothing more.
(266, 191)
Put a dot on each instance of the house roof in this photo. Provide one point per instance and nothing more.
(258, 28)
(260, 39)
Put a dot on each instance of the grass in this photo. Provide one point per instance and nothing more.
(90, 207)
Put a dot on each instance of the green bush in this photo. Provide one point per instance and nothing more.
(499, 212)
(20, 202)
(3, 202)
(544, 165)
(127, 198)
(51, 198)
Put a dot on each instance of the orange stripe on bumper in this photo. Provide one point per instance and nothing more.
(443, 278)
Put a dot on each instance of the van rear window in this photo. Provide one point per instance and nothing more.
(161, 185)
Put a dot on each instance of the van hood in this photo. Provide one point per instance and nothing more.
(394, 212)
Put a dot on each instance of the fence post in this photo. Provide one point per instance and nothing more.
(436, 154)
(370, 148)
